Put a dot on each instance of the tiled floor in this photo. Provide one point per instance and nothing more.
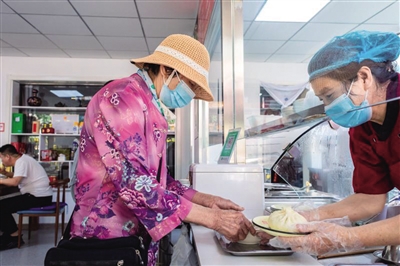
(34, 250)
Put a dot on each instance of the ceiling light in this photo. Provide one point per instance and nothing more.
(290, 10)
(66, 93)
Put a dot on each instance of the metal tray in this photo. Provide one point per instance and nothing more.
(238, 249)
(357, 264)
(378, 254)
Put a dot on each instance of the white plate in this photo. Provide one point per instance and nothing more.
(262, 223)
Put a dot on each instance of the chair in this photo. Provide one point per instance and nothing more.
(54, 210)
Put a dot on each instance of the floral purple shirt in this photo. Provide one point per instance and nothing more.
(122, 146)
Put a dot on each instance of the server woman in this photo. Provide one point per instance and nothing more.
(354, 75)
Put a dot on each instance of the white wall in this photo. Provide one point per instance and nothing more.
(287, 74)
(266, 150)
(59, 69)
(283, 74)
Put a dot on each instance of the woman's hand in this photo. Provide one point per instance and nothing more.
(265, 237)
(324, 238)
(224, 204)
(232, 224)
(215, 202)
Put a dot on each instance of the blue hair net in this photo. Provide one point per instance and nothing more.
(354, 47)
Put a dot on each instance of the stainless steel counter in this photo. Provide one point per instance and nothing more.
(364, 259)
(209, 252)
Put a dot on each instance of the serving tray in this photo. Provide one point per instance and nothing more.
(239, 249)
(378, 254)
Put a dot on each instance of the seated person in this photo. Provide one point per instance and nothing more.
(33, 183)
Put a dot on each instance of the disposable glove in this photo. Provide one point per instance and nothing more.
(310, 215)
(307, 210)
(325, 237)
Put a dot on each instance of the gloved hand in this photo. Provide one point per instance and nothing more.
(307, 210)
(325, 237)
(310, 215)
(233, 225)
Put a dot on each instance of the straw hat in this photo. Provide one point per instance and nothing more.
(188, 56)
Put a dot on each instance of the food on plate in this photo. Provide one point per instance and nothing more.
(278, 207)
(250, 239)
(285, 220)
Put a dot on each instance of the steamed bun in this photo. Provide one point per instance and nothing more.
(285, 220)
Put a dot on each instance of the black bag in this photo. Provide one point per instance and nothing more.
(120, 251)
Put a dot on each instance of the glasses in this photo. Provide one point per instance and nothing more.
(329, 94)
(192, 85)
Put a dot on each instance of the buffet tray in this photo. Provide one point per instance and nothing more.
(239, 249)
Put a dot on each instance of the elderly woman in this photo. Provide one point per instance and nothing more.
(354, 75)
(123, 188)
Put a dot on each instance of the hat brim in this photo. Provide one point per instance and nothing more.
(202, 91)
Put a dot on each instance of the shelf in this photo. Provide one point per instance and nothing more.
(66, 161)
(25, 134)
(273, 109)
(61, 135)
(309, 117)
(50, 135)
(49, 108)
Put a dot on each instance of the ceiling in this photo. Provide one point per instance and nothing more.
(123, 29)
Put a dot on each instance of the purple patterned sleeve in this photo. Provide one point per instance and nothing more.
(130, 139)
(180, 189)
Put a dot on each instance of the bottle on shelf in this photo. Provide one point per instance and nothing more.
(35, 127)
(50, 129)
(44, 129)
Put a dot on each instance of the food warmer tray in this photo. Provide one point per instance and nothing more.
(239, 249)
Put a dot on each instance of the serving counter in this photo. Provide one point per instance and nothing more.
(209, 252)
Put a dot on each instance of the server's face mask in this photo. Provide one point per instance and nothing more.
(346, 114)
(179, 97)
